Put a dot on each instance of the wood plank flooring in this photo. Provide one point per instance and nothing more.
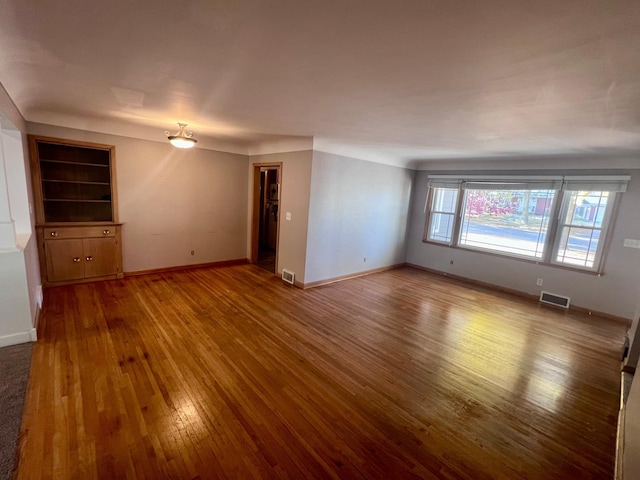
(229, 373)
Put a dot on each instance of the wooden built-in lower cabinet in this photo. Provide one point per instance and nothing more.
(74, 254)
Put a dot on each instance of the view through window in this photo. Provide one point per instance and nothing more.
(510, 221)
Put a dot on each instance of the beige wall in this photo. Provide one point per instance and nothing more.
(173, 201)
(295, 186)
(630, 449)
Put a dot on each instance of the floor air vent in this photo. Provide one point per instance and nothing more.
(288, 276)
(553, 299)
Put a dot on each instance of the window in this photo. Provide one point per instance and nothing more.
(582, 221)
(558, 220)
(508, 221)
(443, 214)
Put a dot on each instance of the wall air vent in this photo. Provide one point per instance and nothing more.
(288, 277)
(553, 299)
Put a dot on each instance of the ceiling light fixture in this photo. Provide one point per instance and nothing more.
(182, 139)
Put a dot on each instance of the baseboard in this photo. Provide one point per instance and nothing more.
(351, 275)
(517, 293)
(296, 283)
(594, 313)
(17, 338)
(36, 322)
(224, 263)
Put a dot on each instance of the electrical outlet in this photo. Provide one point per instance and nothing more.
(193, 252)
(364, 259)
(539, 282)
(631, 243)
(450, 262)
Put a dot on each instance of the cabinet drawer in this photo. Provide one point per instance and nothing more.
(79, 232)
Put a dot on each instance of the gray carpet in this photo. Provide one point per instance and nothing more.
(15, 362)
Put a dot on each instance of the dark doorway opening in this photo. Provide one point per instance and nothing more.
(267, 203)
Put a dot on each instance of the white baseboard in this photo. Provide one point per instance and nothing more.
(17, 338)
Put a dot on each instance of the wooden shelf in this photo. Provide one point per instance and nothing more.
(74, 192)
(64, 162)
(74, 200)
(74, 181)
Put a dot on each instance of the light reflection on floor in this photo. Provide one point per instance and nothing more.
(503, 366)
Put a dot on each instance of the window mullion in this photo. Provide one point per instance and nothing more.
(606, 228)
(552, 240)
(427, 220)
(455, 236)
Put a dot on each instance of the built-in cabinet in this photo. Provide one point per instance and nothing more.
(79, 237)
(81, 253)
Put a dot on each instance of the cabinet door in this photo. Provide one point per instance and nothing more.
(100, 257)
(65, 260)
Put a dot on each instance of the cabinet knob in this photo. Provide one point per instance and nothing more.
(54, 234)
(89, 259)
(76, 259)
(106, 232)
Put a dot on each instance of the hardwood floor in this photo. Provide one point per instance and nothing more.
(267, 259)
(229, 373)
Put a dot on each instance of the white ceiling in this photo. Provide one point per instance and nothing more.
(391, 81)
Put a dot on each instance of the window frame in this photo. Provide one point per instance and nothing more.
(430, 212)
(605, 231)
(614, 185)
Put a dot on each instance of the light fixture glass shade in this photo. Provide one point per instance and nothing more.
(182, 139)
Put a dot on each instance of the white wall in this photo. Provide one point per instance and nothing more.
(7, 224)
(19, 267)
(616, 292)
(17, 179)
(357, 210)
(173, 201)
(295, 184)
(16, 321)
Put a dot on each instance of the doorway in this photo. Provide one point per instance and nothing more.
(266, 216)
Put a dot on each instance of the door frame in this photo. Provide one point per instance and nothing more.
(255, 207)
